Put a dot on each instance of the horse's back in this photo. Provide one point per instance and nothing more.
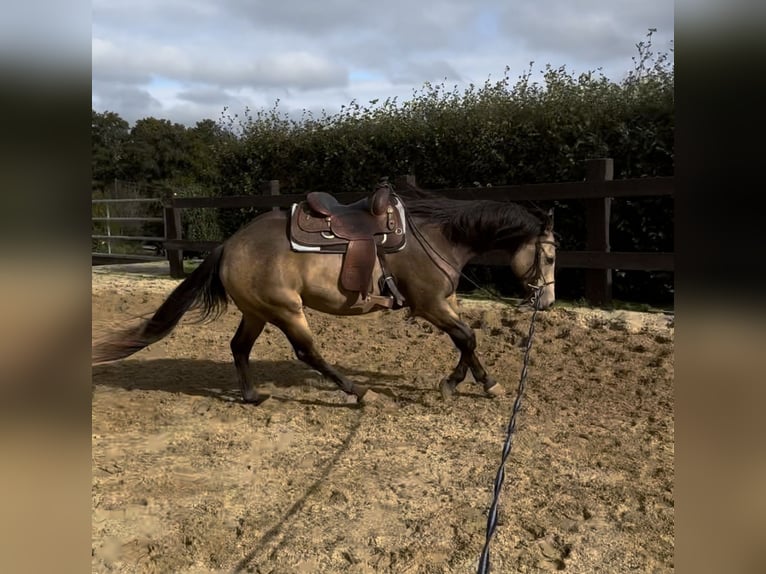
(260, 268)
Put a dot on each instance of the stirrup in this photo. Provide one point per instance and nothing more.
(365, 304)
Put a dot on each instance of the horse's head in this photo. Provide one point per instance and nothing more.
(535, 263)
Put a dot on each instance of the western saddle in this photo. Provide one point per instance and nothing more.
(363, 231)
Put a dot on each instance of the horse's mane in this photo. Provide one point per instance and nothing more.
(479, 223)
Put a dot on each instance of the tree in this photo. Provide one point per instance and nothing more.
(206, 141)
(157, 151)
(109, 135)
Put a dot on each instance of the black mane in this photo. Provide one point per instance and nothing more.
(482, 224)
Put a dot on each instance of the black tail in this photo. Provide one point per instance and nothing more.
(202, 291)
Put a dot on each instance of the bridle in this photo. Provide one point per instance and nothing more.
(535, 272)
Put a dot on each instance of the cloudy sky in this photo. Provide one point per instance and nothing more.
(185, 60)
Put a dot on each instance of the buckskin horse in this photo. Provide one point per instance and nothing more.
(390, 250)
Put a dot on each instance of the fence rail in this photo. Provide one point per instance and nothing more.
(644, 187)
(101, 258)
(125, 200)
(596, 191)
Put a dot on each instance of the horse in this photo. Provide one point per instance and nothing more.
(258, 269)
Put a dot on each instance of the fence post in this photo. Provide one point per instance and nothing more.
(404, 181)
(173, 230)
(108, 231)
(598, 282)
(274, 190)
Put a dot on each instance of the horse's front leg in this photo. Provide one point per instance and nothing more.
(445, 317)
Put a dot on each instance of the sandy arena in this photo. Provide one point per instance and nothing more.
(187, 479)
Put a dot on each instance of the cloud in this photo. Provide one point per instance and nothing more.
(204, 95)
(423, 21)
(140, 63)
(416, 73)
(318, 55)
(128, 101)
(587, 31)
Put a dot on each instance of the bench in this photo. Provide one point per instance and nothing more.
(364, 231)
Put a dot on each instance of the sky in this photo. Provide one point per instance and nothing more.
(187, 60)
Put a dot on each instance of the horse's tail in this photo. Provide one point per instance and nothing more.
(202, 290)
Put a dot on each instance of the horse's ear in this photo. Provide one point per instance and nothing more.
(549, 220)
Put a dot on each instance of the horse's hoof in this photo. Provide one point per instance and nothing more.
(494, 390)
(369, 397)
(447, 389)
(257, 399)
(378, 401)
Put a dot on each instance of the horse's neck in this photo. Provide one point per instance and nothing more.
(456, 255)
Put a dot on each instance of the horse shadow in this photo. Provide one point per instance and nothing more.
(217, 380)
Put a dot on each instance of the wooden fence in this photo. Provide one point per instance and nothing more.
(597, 191)
(101, 258)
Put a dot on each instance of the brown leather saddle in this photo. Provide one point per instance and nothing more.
(364, 231)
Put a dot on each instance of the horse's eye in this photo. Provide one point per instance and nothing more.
(549, 260)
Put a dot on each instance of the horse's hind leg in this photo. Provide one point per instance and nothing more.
(241, 344)
(295, 326)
